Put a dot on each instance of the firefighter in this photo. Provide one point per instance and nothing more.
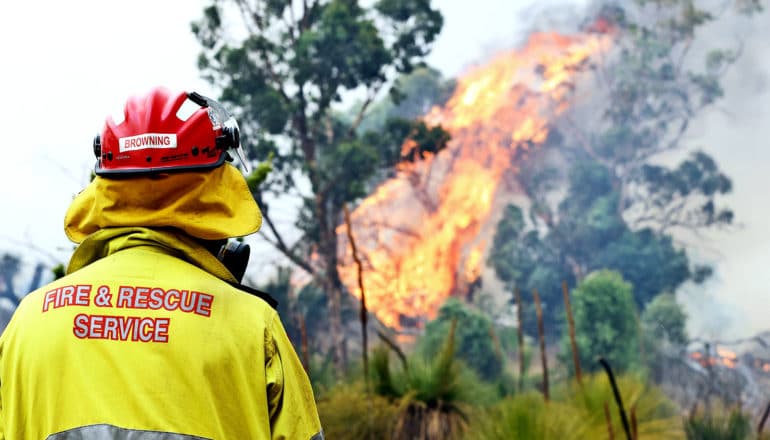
(150, 334)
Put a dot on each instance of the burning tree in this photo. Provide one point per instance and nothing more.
(284, 76)
(424, 231)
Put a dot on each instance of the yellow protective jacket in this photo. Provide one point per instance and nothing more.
(146, 338)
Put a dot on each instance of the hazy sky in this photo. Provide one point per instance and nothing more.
(66, 64)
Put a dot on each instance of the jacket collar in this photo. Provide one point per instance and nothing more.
(211, 205)
(108, 241)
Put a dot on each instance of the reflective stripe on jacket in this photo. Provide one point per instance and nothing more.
(141, 341)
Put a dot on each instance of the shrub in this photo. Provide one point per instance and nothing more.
(605, 322)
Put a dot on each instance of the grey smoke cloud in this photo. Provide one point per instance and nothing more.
(737, 133)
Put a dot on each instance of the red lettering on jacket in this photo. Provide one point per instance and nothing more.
(78, 295)
(121, 328)
(155, 298)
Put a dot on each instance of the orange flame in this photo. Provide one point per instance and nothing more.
(723, 357)
(422, 233)
(473, 263)
(727, 357)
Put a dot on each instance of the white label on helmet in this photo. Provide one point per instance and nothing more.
(147, 140)
(187, 109)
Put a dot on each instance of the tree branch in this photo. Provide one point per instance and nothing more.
(363, 312)
(304, 22)
(280, 244)
(290, 23)
(584, 143)
(672, 215)
(373, 91)
(396, 349)
(299, 123)
(250, 17)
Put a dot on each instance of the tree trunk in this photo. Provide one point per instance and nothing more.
(573, 342)
(331, 282)
(335, 327)
(541, 334)
(363, 312)
(520, 337)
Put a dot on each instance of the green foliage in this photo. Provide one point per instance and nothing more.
(697, 178)
(58, 271)
(437, 384)
(322, 374)
(665, 320)
(259, 174)
(342, 49)
(605, 322)
(664, 335)
(512, 261)
(424, 139)
(646, 259)
(434, 394)
(389, 138)
(413, 96)
(657, 417)
(715, 422)
(577, 411)
(420, 24)
(526, 416)
(436, 399)
(588, 236)
(348, 412)
(295, 63)
(311, 304)
(473, 339)
(349, 165)
(508, 339)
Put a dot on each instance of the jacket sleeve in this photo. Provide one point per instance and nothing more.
(292, 409)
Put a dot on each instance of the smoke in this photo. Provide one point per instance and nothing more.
(736, 133)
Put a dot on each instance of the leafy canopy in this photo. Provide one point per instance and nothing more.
(295, 63)
(589, 236)
(473, 339)
(605, 322)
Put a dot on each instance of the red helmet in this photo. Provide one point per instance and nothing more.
(164, 131)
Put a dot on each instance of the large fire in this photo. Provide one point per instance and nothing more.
(420, 234)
